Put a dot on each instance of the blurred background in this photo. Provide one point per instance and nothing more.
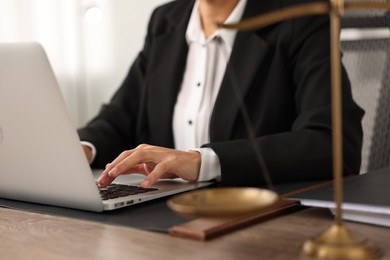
(90, 43)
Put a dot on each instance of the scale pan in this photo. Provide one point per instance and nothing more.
(222, 201)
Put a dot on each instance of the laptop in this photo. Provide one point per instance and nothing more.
(41, 159)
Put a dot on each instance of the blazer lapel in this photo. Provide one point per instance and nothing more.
(247, 55)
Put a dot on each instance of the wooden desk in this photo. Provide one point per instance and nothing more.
(25, 235)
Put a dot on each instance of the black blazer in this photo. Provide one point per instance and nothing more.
(283, 72)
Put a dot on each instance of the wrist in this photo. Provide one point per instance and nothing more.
(196, 158)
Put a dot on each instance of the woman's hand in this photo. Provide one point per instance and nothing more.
(155, 162)
(88, 152)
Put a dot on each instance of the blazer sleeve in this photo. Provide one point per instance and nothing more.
(305, 151)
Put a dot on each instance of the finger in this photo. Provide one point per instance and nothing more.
(112, 171)
(136, 158)
(119, 159)
(106, 178)
(158, 171)
(110, 168)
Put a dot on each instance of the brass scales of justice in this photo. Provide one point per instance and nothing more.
(337, 242)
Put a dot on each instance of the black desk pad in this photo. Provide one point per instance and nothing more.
(151, 215)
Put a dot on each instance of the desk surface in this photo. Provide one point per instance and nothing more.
(25, 235)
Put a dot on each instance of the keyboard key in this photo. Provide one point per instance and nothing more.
(120, 190)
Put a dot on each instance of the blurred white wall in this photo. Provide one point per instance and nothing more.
(90, 43)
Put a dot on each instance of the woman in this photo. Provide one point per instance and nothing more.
(177, 115)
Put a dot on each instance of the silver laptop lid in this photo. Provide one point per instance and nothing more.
(41, 159)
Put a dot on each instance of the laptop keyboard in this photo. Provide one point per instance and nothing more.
(114, 191)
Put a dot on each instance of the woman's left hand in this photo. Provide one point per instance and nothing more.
(154, 162)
